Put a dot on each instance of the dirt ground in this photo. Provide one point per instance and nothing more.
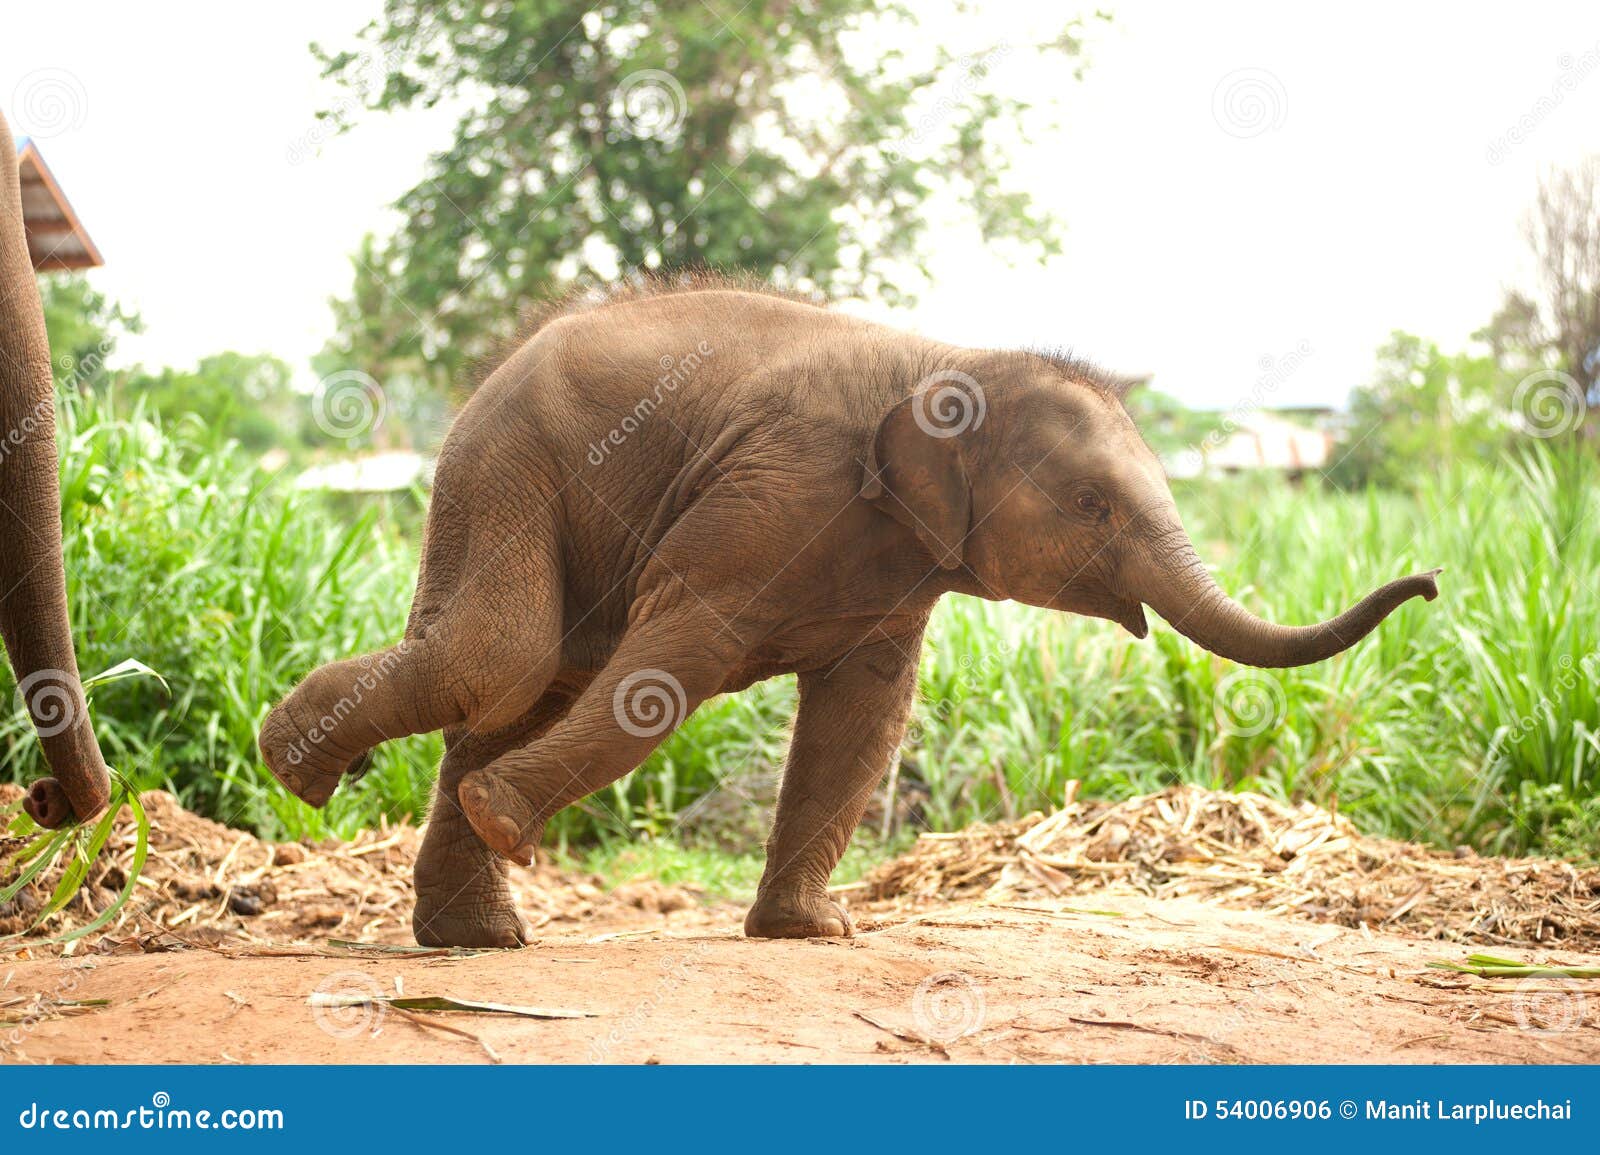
(1157, 981)
(1181, 927)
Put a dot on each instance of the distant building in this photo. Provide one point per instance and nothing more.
(375, 473)
(1288, 441)
(57, 240)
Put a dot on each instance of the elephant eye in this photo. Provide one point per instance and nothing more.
(1091, 504)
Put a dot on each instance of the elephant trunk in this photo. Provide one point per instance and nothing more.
(1182, 591)
(33, 592)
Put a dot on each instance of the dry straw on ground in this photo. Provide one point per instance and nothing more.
(1247, 850)
(211, 884)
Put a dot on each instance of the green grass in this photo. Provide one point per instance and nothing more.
(232, 585)
(1471, 719)
(718, 872)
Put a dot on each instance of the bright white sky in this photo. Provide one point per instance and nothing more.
(1367, 200)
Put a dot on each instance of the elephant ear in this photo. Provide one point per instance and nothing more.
(917, 474)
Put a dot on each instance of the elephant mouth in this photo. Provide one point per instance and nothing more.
(1129, 614)
(1126, 612)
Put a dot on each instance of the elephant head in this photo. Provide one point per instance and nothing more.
(1025, 478)
(33, 593)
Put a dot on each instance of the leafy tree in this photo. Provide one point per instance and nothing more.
(240, 397)
(1559, 326)
(84, 326)
(1423, 408)
(1563, 233)
(799, 141)
(235, 396)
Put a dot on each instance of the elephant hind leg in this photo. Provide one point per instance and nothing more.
(483, 658)
(327, 727)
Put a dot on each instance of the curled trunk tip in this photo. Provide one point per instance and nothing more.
(1187, 596)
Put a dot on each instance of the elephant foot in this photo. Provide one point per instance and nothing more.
(47, 804)
(297, 762)
(470, 918)
(796, 914)
(500, 815)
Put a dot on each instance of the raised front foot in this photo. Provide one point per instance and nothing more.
(299, 761)
(500, 815)
(796, 914)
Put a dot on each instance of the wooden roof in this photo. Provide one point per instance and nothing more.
(57, 240)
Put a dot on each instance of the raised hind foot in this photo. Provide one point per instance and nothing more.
(300, 761)
(796, 914)
(324, 730)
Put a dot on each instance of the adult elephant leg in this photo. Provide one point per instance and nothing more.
(462, 894)
(851, 719)
(665, 666)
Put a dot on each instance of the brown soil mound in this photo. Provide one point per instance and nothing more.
(214, 885)
(1245, 850)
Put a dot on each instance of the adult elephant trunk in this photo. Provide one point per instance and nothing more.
(33, 591)
(1177, 586)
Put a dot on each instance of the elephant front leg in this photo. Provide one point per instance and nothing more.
(850, 721)
(662, 670)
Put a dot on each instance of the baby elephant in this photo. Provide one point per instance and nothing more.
(678, 491)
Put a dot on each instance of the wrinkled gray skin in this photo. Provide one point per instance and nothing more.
(595, 568)
(33, 592)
